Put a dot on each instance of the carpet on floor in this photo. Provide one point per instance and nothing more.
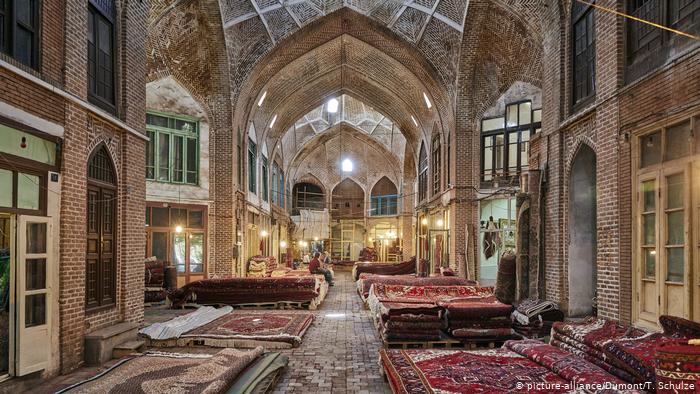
(171, 373)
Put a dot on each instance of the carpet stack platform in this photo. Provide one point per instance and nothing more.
(228, 371)
(224, 327)
(365, 282)
(383, 268)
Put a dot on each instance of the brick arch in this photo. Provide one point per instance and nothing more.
(351, 179)
(578, 143)
(111, 143)
(327, 28)
(383, 179)
(312, 179)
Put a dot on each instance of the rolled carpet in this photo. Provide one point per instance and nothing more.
(482, 333)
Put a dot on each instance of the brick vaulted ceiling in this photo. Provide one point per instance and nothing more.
(385, 53)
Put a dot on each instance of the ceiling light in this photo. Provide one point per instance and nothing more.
(427, 101)
(439, 222)
(414, 121)
(424, 221)
(332, 106)
(263, 233)
(347, 165)
(262, 98)
(283, 244)
(274, 119)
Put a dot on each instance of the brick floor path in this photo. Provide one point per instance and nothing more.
(340, 351)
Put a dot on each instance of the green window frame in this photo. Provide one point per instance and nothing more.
(172, 154)
(252, 166)
(264, 176)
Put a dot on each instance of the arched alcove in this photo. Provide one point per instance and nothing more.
(348, 200)
(582, 232)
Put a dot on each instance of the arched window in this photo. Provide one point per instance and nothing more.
(583, 51)
(448, 157)
(384, 199)
(422, 174)
(307, 196)
(437, 164)
(348, 200)
(100, 268)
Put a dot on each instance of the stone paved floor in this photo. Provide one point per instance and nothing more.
(340, 351)
(338, 354)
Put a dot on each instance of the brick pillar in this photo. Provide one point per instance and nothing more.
(72, 239)
(223, 147)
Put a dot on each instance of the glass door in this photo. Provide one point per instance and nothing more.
(33, 293)
(7, 232)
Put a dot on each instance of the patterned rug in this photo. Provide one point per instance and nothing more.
(461, 371)
(636, 355)
(171, 373)
(475, 308)
(271, 329)
(234, 291)
(422, 294)
(402, 268)
(367, 280)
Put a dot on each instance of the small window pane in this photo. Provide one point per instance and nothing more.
(151, 156)
(675, 191)
(178, 162)
(7, 188)
(650, 263)
(36, 274)
(492, 124)
(192, 161)
(23, 11)
(537, 116)
(196, 253)
(157, 120)
(649, 192)
(649, 229)
(651, 149)
(27, 191)
(678, 141)
(525, 113)
(163, 157)
(675, 228)
(196, 219)
(24, 40)
(159, 246)
(512, 116)
(160, 217)
(35, 310)
(36, 237)
(676, 264)
(179, 252)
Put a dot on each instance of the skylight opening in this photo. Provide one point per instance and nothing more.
(347, 165)
(262, 98)
(414, 121)
(332, 106)
(274, 119)
(427, 101)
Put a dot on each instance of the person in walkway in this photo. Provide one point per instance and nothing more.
(315, 268)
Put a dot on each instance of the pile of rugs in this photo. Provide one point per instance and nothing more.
(627, 352)
(304, 289)
(466, 312)
(365, 282)
(402, 268)
(261, 266)
(158, 278)
(479, 316)
(368, 254)
(224, 327)
(533, 318)
(525, 366)
(229, 370)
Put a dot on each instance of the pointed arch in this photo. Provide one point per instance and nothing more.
(422, 173)
(348, 199)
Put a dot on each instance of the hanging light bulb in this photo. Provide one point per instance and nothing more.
(347, 165)
(316, 239)
(178, 229)
(283, 244)
(439, 222)
(332, 106)
(263, 233)
(424, 221)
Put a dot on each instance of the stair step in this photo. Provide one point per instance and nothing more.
(127, 348)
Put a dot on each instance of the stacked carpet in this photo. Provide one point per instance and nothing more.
(414, 323)
(366, 281)
(533, 318)
(235, 291)
(368, 254)
(261, 266)
(518, 367)
(380, 293)
(181, 373)
(226, 328)
(478, 317)
(402, 268)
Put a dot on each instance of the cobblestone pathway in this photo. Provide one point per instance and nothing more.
(340, 351)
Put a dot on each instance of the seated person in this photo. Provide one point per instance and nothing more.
(315, 268)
